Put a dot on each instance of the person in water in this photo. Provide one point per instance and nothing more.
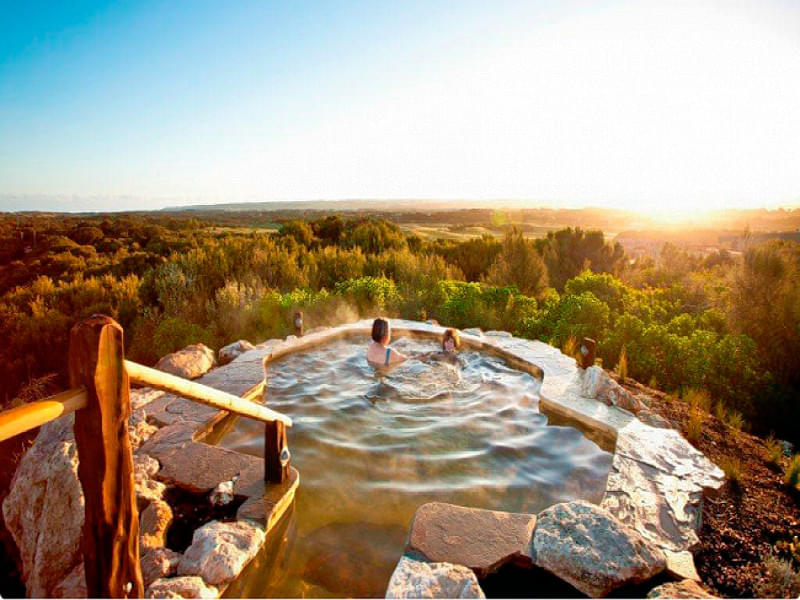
(451, 342)
(379, 353)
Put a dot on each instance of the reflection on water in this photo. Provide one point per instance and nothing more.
(372, 447)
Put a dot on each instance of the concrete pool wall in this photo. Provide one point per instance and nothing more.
(655, 487)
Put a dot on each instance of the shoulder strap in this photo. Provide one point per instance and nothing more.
(388, 352)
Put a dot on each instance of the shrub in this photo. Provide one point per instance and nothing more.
(780, 581)
(774, 451)
(732, 468)
(174, 333)
(622, 365)
(791, 474)
(736, 420)
(720, 411)
(570, 348)
(368, 293)
(695, 426)
(791, 548)
(698, 399)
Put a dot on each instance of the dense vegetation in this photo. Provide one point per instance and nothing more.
(728, 324)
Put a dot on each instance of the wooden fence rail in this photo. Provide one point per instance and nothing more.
(35, 414)
(100, 398)
(202, 393)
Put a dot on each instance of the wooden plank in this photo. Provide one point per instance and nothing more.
(110, 540)
(202, 393)
(35, 414)
(276, 453)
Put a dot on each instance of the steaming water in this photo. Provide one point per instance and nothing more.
(370, 449)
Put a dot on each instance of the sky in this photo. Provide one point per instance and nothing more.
(664, 107)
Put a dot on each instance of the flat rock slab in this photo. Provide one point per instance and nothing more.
(200, 468)
(219, 551)
(665, 509)
(417, 579)
(590, 549)
(679, 589)
(181, 587)
(482, 540)
(666, 450)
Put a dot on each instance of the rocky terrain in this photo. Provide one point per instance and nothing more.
(645, 533)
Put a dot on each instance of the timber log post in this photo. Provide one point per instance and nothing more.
(298, 323)
(110, 539)
(588, 352)
(276, 452)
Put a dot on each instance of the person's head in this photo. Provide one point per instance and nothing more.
(451, 341)
(381, 332)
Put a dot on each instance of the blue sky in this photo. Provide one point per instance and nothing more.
(661, 106)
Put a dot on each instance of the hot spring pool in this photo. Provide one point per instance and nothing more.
(370, 449)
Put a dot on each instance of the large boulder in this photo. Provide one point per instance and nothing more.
(157, 563)
(598, 384)
(181, 587)
(189, 363)
(73, 585)
(482, 540)
(590, 549)
(44, 508)
(231, 351)
(154, 521)
(139, 430)
(417, 579)
(679, 589)
(219, 551)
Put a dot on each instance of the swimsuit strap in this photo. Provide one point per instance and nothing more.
(388, 352)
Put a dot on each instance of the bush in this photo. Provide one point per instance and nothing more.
(174, 333)
(732, 467)
(735, 420)
(369, 293)
(791, 475)
(694, 429)
(780, 580)
(774, 451)
(571, 348)
(622, 365)
(698, 399)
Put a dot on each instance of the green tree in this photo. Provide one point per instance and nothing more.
(519, 264)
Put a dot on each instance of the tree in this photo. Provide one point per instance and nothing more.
(519, 264)
(569, 251)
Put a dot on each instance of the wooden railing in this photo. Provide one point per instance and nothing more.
(100, 380)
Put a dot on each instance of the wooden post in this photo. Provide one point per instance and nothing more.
(276, 452)
(110, 540)
(588, 351)
(298, 323)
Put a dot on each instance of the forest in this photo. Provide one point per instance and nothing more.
(725, 326)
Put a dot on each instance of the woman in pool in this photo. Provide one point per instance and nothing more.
(451, 342)
(379, 354)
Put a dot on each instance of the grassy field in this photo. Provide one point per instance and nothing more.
(457, 232)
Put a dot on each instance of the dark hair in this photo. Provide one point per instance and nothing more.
(380, 329)
(451, 334)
